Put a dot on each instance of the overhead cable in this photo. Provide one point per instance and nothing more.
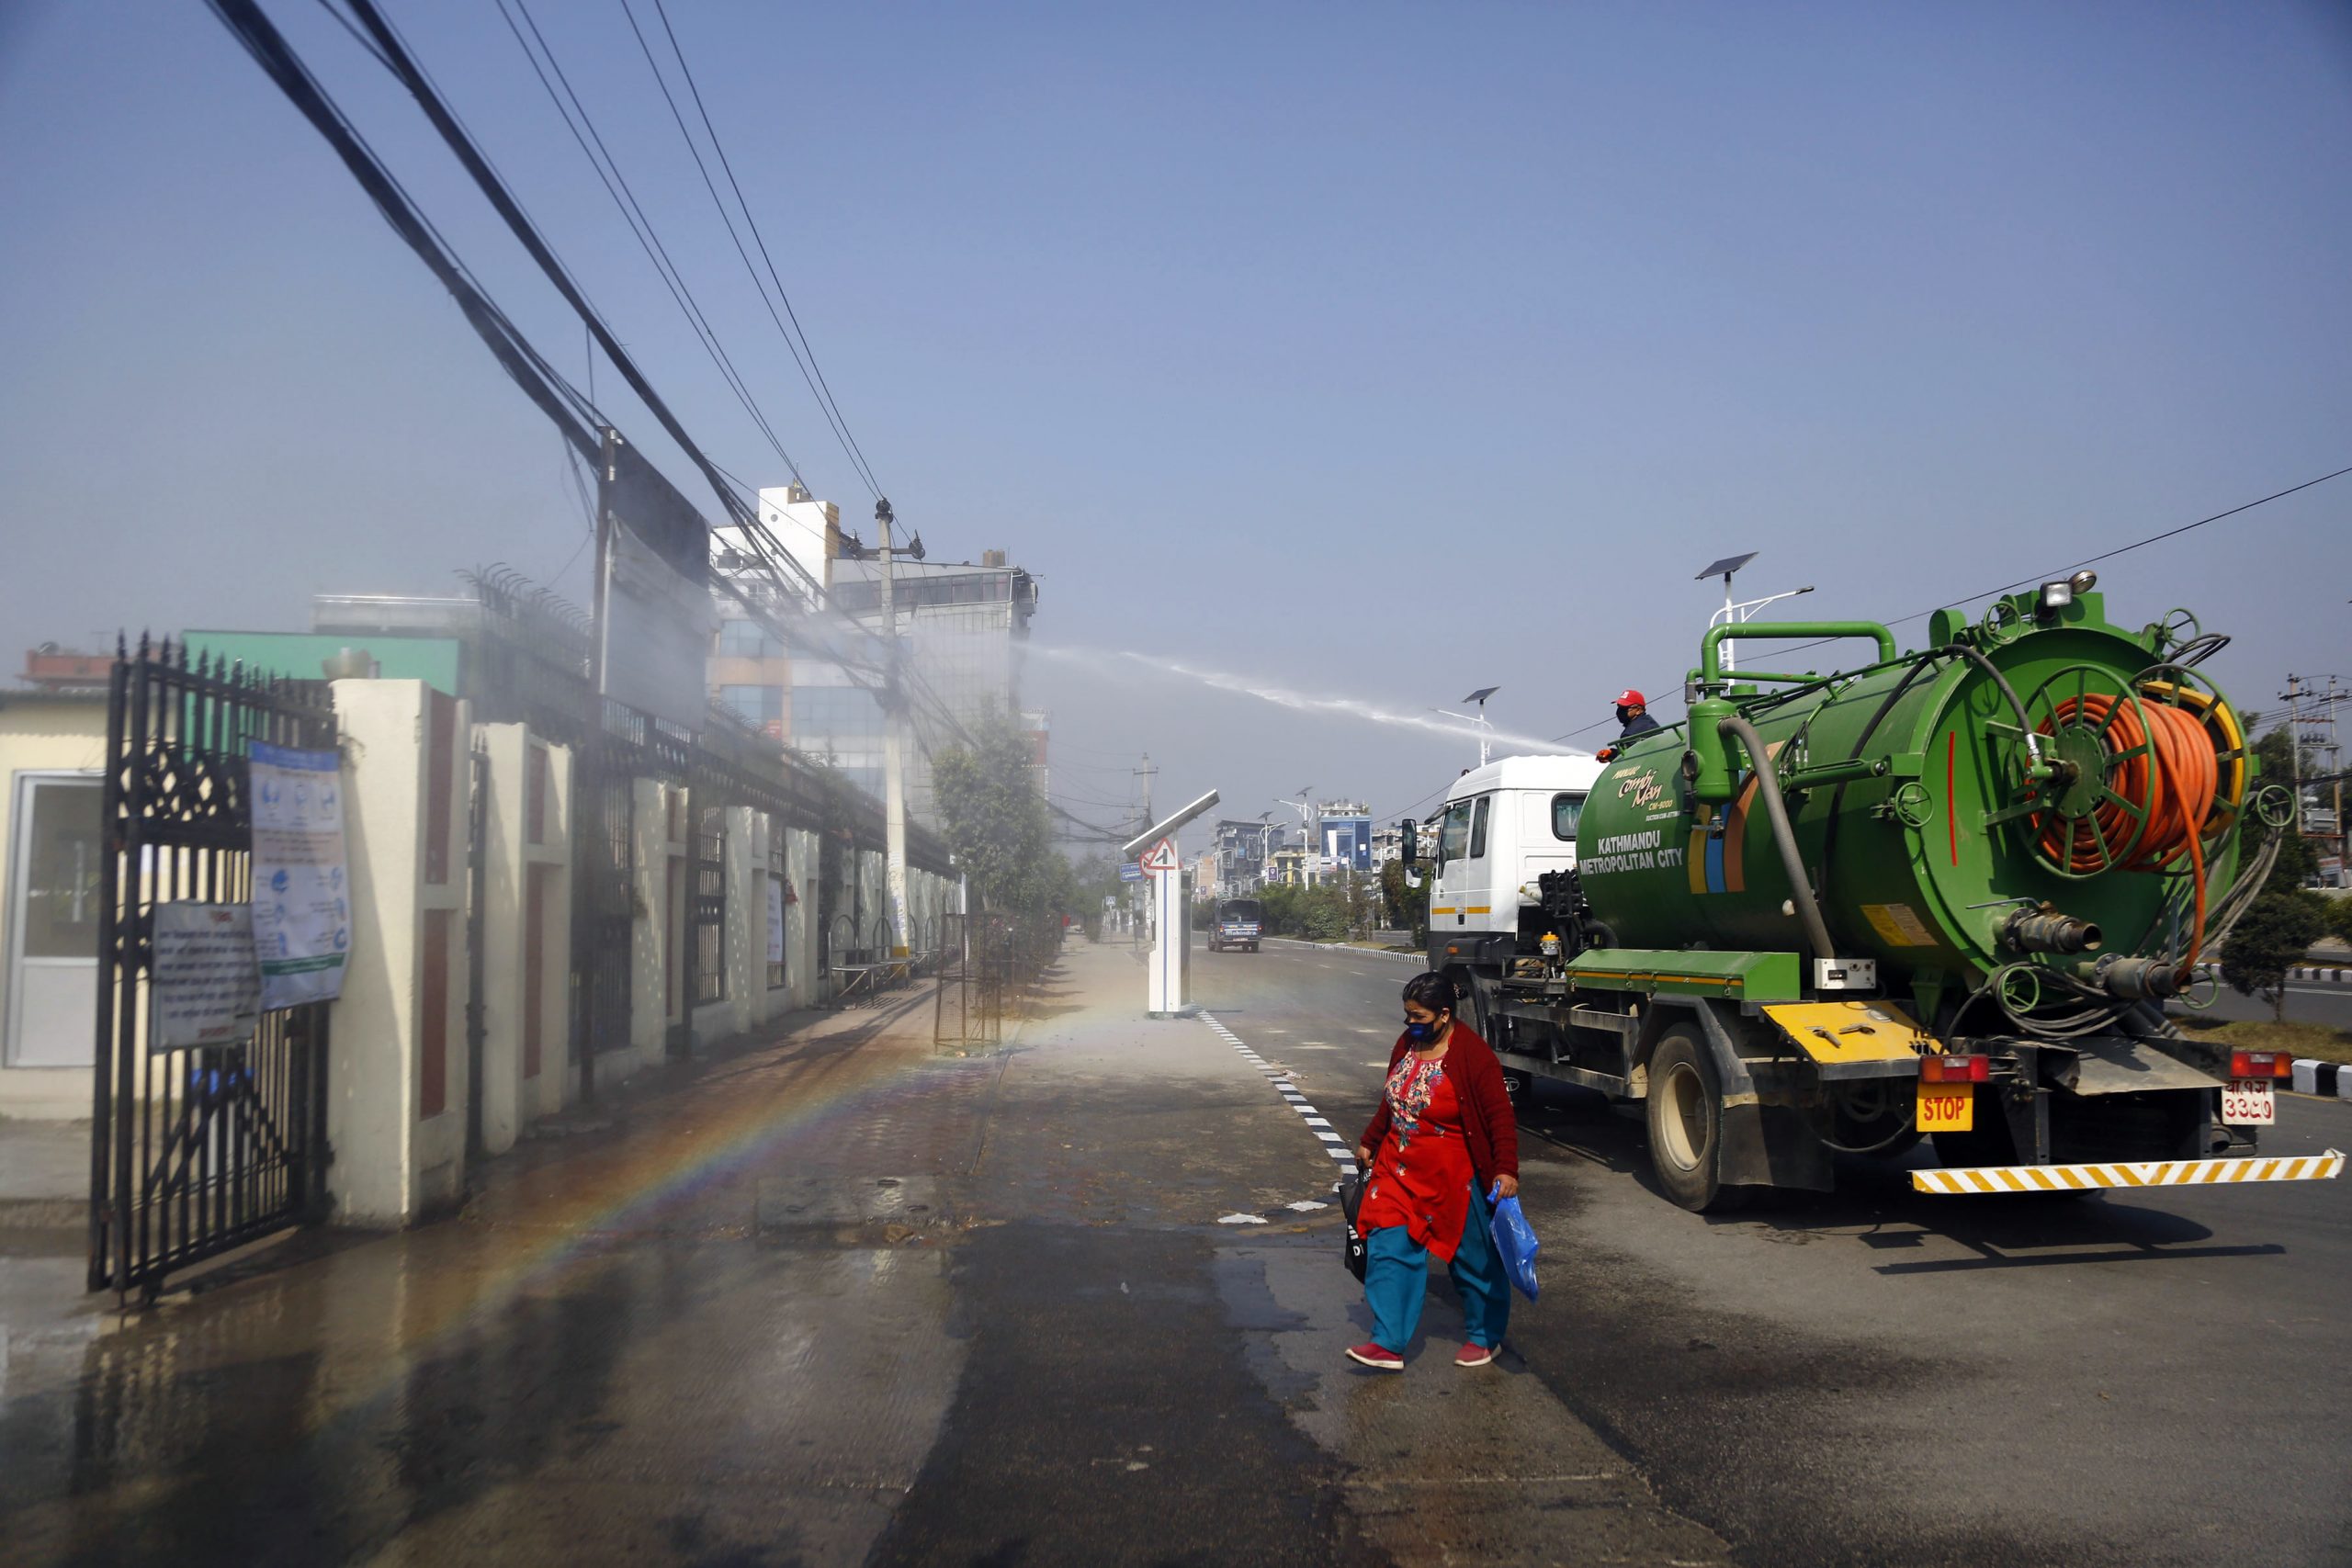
(404, 67)
(563, 403)
(616, 185)
(809, 371)
(2077, 563)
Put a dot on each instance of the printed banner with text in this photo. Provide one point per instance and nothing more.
(301, 888)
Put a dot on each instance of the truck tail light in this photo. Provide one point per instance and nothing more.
(2261, 1064)
(1955, 1069)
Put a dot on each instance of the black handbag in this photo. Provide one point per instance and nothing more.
(1351, 1200)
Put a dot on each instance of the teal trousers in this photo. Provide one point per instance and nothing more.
(1397, 1280)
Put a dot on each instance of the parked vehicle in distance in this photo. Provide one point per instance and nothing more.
(1239, 923)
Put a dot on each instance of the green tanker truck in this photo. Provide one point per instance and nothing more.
(1944, 892)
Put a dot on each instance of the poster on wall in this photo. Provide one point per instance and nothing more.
(775, 920)
(203, 986)
(301, 900)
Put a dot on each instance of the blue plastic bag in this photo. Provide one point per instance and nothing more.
(1515, 1242)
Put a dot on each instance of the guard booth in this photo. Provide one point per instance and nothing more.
(1169, 969)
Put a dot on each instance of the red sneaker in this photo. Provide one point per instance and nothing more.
(1376, 1358)
(1474, 1355)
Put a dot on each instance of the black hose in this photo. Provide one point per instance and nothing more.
(1783, 836)
(1837, 797)
(2032, 742)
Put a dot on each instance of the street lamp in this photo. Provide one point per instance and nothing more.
(1736, 612)
(1486, 731)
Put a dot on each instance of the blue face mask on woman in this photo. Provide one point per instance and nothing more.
(1422, 1034)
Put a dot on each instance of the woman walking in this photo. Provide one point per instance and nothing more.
(1441, 1140)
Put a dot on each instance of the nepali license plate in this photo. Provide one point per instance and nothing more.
(2248, 1102)
(1947, 1108)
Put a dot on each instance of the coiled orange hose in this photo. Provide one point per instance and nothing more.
(2179, 776)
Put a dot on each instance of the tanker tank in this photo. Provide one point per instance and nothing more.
(2040, 789)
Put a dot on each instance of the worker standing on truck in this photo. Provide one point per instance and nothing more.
(1442, 1140)
(1633, 718)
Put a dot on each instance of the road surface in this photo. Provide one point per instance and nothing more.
(1879, 1377)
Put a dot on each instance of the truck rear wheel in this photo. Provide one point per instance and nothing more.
(1685, 1114)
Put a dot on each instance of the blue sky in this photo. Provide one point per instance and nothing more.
(1375, 352)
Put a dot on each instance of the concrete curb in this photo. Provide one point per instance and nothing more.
(2301, 973)
(1345, 947)
(2326, 1079)
(44, 1213)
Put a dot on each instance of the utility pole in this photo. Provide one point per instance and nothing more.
(1310, 832)
(607, 481)
(2311, 720)
(1144, 901)
(894, 763)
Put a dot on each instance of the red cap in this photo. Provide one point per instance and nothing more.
(1629, 698)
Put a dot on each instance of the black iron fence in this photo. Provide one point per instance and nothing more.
(196, 1150)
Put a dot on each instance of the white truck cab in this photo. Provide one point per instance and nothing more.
(1504, 825)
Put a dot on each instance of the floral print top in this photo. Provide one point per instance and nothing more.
(1420, 1174)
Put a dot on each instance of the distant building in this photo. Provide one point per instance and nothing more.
(50, 668)
(963, 628)
(1344, 830)
(1242, 849)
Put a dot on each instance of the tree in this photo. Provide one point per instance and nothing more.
(1317, 913)
(2269, 939)
(1409, 907)
(996, 822)
(1358, 902)
(2340, 917)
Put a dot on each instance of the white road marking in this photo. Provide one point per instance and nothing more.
(1241, 1219)
(1331, 1143)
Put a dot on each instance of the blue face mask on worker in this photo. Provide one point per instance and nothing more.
(1420, 1034)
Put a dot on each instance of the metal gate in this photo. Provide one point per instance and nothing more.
(193, 1151)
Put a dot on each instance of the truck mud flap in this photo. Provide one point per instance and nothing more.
(1971, 1180)
(1772, 1145)
(2109, 1063)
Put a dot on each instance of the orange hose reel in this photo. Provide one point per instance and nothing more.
(2178, 774)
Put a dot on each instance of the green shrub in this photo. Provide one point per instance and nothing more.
(2271, 938)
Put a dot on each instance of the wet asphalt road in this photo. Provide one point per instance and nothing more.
(1876, 1376)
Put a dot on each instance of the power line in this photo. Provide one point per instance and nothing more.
(1094, 829)
(2047, 576)
(633, 213)
(811, 372)
(501, 199)
(541, 382)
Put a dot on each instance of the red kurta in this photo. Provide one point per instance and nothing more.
(1420, 1173)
